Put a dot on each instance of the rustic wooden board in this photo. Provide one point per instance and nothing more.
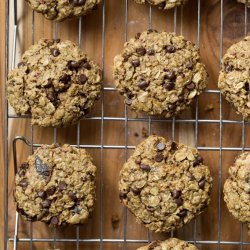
(114, 131)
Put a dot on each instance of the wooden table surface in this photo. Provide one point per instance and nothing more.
(114, 131)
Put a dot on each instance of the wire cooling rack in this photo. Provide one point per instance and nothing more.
(10, 64)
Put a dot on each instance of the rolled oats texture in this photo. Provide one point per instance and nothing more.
(55, 82)
(165, 184)
(159, 73)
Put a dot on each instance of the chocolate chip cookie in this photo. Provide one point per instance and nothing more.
(237, 189)
(234, 79)
(170, 244)
(55, 82)
(247, 2)
(163, 4)
(56, 185)
(61, 9)
(165, 184)
(159, 73)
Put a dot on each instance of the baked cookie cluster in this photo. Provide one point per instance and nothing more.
(163, 4)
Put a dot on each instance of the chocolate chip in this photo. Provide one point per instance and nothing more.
(170, 75)
(62, 185)
(41, 194)
(141, 51)
(50, 191)
(246, 87)
(161, 146)
(158, 157)
(49, 83)
(136, 63)
(21, 64)
(136, 191)
(170, 48)
(54, 220)
(77, 3)
(55, 52)
(138, 160)
(82, 78)
(151, 52)
(182, 213)
(145, 167)
(228, 68)
(143, 84)
(169, 85)
(57, 40)
(137, 36)
(24, 165)
(152, 30)
(202, 183)
(179, 201)
(161, 6)
(198, 161)
(122, 196)
(176, 194)
(46, 204)
(73, 65)
(23, 183)
(65, 78)
(171, 107)
(181, 98)
(21, 172)
(125, 58)
(41, 167)
(72, 195)
(173, 145)
(87, 66)
(190, 86)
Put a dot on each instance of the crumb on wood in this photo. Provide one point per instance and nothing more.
(209, 108)
(136, 134)
(115, 220)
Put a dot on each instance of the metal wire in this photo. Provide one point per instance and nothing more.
(195, 122)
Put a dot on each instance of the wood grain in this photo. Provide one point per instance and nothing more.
(111, 160)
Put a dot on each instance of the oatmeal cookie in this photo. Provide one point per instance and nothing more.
(234, 78)
(237, 189)
(61, 9)
(56, 186)
(55, 82)
(159, 73)
(165, 184)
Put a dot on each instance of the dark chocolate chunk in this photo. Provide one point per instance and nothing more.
(42, 168)
(170, 75)
(65, 78)
(122, 196)
(150, 52)
(158, 157)
(72, 195)
(62, 185)
(50, 191)
(143, 84)
(73, 65)
(176, 194)
(170, 48)
(190, 86)
(136, 191)
(55, 52)
(23, 183)
(87, 66)
(173, 145)
(82, 78)
(202, 183)
(137, 36)
(136, 63)
(228, 68)
(182, 213)
(198, 161)
(169, 85)
(145, 167)
(41, 194)
(246, 87)
(141, 51)
(46, 204)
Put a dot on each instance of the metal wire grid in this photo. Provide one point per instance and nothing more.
(15, 239)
